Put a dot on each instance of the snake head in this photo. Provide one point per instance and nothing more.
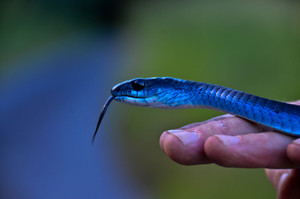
(163, 92)
(157, 92)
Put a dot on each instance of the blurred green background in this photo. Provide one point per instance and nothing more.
(252, 46)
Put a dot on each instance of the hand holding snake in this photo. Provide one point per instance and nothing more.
(265, 138)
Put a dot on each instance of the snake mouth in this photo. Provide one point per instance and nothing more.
(137, 101)
(140, 101)
(129, 96)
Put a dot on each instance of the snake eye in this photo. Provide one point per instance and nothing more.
(138, 85)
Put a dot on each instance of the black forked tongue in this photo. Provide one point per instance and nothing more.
(111, 98)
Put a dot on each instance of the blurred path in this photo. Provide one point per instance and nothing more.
(48, 112)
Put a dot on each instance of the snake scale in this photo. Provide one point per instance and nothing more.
(172, 93)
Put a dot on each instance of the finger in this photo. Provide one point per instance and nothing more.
(263, 150)
(293, 151)
(286, 182)
(226, 124)
(183, 147)
(186, 145)
(295, 102)
(277, 176)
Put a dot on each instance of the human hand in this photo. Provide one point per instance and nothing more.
(230, 141)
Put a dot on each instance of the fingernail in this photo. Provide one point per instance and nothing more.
(228, 140)
(297, 141)
(185, 137)
(282, 179)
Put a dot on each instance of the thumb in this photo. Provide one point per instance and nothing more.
(286, 182)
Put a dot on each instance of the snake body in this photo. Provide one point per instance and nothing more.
(171, 93)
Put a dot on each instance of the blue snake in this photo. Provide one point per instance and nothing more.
(171, 93)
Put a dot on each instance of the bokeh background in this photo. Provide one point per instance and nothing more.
(59, 60)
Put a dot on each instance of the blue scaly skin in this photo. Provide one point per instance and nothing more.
(171, 93)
